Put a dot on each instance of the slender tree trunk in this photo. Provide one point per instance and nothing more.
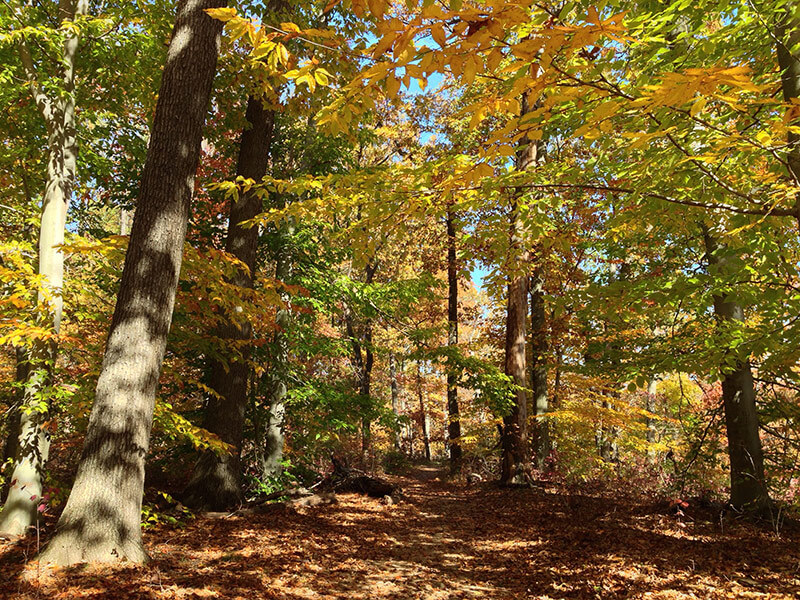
(539, 348)
(216, 481)
(21, 507)
(426, 438)
(363, 360)
(395, 392)
(748, 484)
(453, 416)
(102, 518)
(650, 407)
(272, 463)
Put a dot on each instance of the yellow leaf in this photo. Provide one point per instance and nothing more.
(392, 86)
(698, 106)
(221, 14)
(376, 7)
(438, 34)
(321, 76)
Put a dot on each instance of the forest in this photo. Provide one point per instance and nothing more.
(400, 299)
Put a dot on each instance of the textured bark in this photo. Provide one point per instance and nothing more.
(748, 485)
(515, 464)
(540, 433)
(787, 35)
(102, 518)
(216, 481)
(453, 415)
(58, 111)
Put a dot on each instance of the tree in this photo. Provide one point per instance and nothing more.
(216, 481)
(748, 484)
(58, 112)
(514, 443)
(102, 518)
(453, 417)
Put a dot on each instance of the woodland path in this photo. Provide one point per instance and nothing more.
(446, 541)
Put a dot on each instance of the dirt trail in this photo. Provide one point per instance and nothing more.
(445, 541)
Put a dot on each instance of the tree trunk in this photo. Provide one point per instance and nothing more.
(453, 416)
(11, 447)
(539, 348)
(515, 465)
(787, 35)
(363, 360)
(272, 461)
(102, 518)
(650, 407)
(426, 438)
(216, 481)
(395, 391)
(20, 510)
(748, 485)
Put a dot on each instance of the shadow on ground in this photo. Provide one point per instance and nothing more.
(447, 541)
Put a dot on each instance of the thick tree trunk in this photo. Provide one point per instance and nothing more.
(453, 416)
(748, 485)
(20, 510)
(216, 481)
(515, 464)
(102, 518)
(539, 347)
(787, 35)
(426, 437)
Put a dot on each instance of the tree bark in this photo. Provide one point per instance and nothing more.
(102, 518)
(20, 510)
(787, 35)
(216, 481)
(748, 484)
(515, 464)
(453, 413)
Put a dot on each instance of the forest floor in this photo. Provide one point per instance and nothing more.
(444, 541)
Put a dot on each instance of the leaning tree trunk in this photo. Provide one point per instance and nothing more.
(453, 416)
(216, 481)
(102, 518)
(20, 510)
(748, 484)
